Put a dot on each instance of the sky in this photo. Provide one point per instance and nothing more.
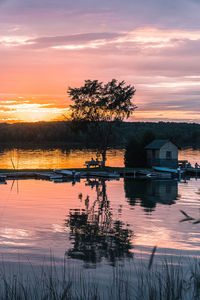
(47, 46)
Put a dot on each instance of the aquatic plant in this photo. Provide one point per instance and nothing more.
(168, 279)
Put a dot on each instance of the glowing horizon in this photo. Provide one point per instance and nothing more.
(45, 48)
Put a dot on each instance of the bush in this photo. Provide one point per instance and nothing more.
(135, 153)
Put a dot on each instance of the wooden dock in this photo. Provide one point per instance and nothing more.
(192, 171)
(103, 175)
(2, 179)
(18, 175)
(70, 175)
(49, 176)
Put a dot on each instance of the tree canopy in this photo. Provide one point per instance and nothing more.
(100, 106)
(96, 102)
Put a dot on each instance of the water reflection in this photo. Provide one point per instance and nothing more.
(94, 233)
(53, 158)
(63, 156)
(32, 219)
(150, 192)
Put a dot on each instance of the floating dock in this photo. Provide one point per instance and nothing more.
(192, 171)
(2, 179)
(61, 175)
(49, 176)
(18, 175)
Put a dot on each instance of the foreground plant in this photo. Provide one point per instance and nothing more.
(165, 280)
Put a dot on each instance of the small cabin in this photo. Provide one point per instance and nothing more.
(162, 153)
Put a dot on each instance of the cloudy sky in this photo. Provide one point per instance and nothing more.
(47, 46)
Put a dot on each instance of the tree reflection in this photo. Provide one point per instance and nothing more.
(150, 192)
(94, 233)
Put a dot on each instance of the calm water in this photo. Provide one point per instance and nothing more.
(70, 158)
(54, 158)
(96, 223)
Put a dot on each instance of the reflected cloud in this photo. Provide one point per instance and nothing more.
(96, 228)
(12, 233)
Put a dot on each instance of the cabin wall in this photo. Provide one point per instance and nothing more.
(153, 154)
(172, 163)
(169, 147)
(167, 156)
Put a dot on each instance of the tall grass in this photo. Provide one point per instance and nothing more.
(167, 280)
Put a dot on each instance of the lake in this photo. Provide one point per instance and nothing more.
(54, 158)
(95, 224)
(39, 158)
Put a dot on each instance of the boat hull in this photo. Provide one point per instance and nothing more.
(163, 169)
(67, 172)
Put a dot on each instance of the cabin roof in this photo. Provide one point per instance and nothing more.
(157, 144)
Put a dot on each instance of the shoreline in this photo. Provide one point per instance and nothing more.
(75, 174)
(75, 169)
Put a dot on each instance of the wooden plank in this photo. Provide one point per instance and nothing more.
(103, 174)
(14, 175)
(2, 178)
(49, 176)
(192, 171)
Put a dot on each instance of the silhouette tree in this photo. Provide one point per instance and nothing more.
(101, 106)
(94, 233)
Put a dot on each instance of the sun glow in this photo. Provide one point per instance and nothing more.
(37, 112)
(33, 112)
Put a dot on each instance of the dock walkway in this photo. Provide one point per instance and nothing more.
(60, 175)
(192, 171)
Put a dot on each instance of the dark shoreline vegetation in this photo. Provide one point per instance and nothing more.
(166, 280)
(64, 134)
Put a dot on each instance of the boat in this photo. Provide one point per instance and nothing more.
(69, 173)
(146, 173)
(169, 170)
(153, 174)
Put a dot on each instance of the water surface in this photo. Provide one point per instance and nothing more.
(54, 158)
(69, 158)
(97, 222)
(94, 222)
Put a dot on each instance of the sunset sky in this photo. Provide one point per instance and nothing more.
(48, 45)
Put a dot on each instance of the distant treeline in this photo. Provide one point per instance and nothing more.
(183, 134)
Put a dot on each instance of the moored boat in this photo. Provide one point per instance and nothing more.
(169, 170)
(64, 172)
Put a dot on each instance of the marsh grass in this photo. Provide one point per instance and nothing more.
(166, 280)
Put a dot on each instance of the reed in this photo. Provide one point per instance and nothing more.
(166, 280)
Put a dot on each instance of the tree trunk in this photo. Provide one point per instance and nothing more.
(105, 131)
(104, 157)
